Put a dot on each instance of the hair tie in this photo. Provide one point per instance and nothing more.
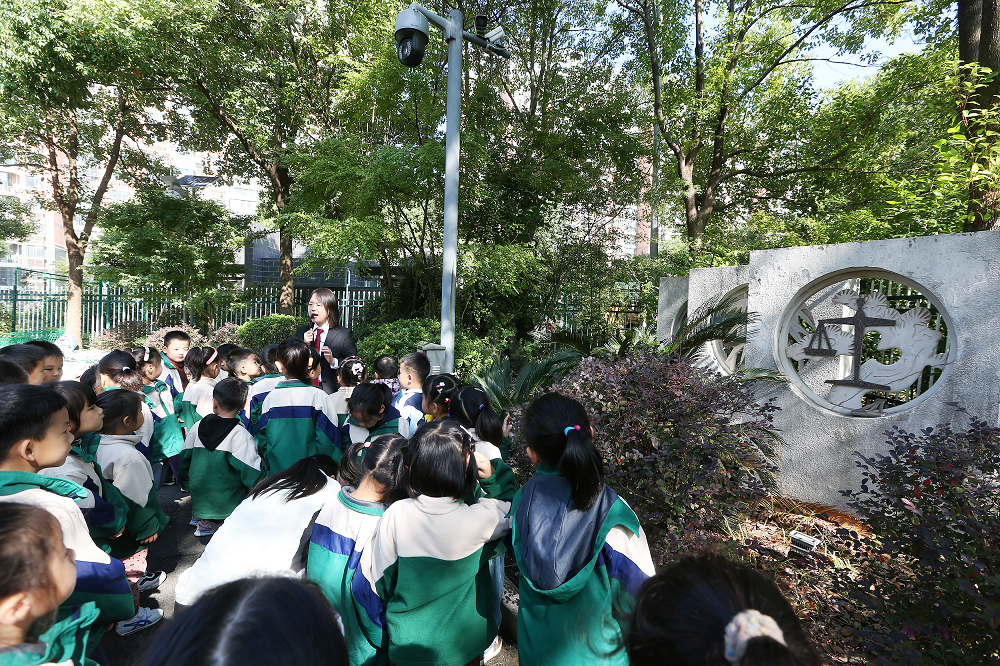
(440, 385)
(145, 354)
(447, 400)
(125, 367)
(748, 625)
(566, 431)
(368, 444)
(212, 357)
(481, 407)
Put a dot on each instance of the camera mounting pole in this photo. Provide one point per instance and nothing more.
(454, 32)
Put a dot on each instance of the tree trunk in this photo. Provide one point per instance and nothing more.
(979, 43)
(970, 16)
(286, 303)
(74, 293)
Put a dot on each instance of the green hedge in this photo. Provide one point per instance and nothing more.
(400, 337)
(269, 330)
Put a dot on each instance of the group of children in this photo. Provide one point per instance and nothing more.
(391, 495)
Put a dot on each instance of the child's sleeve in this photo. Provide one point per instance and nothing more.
(628, 563)
(328, 435)
(374, 581)
(136, 485)
(245, 460)
(502, 484)
(186, 454)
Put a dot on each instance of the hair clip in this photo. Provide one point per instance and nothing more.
(566, 431)
(447, 400)
(145, 354)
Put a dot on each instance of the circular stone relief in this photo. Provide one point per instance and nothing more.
(725, 357)
(865, 343)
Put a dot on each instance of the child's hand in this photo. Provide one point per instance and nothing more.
(149, 540)
(484, 466)
(120, 532)
(507, 427)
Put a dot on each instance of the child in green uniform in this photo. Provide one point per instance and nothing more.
(371, 414)
(202, 364)
(168, 440)
(37, 574)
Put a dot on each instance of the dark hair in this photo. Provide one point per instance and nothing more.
(436, 464)
(50, 348)
(681, 615)
(12, 373)
(26, 414)
(78, 397)
(118, 405)
(352, 372)
(89, 377)
(306, 477)
(224, 351)
(315, 358)
(470, 407)
(386, 367)
(328, 300)
(146, 356)
(28, 357)
(198, 359)
(382, 459)
(438, 389)
(418, 363)
(294, 356)
(175, 335)
(277, 621)
(231, 393)
(237, 356)
(119, 366)
(557, 428)
(268, 355)
(367, 398)
(28, 538)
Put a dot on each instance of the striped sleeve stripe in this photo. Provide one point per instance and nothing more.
(101, 578)
(367, 598)
(626, 557)
(326, 538)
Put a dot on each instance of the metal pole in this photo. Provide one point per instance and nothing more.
(452, 150)
(13, 306)
(654, 218)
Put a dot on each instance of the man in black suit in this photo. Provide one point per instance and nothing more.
(327, 335)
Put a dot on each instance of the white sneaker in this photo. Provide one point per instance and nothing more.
(493, 650)
(146, 617)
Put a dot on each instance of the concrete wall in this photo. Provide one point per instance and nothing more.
(959, 273)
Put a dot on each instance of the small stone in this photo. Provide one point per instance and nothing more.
(846, 631)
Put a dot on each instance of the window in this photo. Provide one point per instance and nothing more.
(4, 182)
(34, 182)
(242, 206)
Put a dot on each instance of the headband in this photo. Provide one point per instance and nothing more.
(566, 430)
(748, 625)
(211, 358)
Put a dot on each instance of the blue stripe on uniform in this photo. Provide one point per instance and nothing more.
(99, 578)
(365, 596)
(336, 543)
(622, 569)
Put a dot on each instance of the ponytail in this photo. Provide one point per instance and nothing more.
(382, 460)
(119, 366)
(306, 477)
(146, 356)
(294, 356)
(557, 428)
(198, 359)
(438, 389)
(471, 407)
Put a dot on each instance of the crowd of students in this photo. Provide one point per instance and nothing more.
(359, 522)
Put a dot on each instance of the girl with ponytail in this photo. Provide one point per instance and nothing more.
(168, 438)
(202, 365)
(371, 475)
(296, 419)
(118, 370)
(581, 552)
(470, 407)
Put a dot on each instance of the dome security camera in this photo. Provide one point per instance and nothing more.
(411, 37)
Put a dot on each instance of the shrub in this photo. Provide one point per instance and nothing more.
(228, 334)
(155, 339)
(268, 330)
(400, 337)
(125, 334)
(684, 446)
(931, 587)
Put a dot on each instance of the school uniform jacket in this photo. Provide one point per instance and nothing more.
(265, 535)
(296, 422)
(104, 508)
(389, 423)
(425, 578)
(168, 440)
(259, 391)
(343, 529)
(99, 577)
(68, 641)
(196, 402)
(132, 475)
(171, 376)
(219, 466)
(411, 409)
(579, 573)
(338, 403)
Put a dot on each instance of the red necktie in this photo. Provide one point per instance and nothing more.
(319, 347)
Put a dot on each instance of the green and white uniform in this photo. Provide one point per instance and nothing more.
(389, 424)
(196, 401)
(259, 391)
(132, 475)
(68, 641)
(296, 422)
(579, 573)
(343, 529)
(219, 466)
(168, 440)
(425, 578)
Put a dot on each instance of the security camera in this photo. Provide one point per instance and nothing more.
(496, 35)
(411, 36)
(482, 23)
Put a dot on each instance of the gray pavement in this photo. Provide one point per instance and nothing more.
(174, 552)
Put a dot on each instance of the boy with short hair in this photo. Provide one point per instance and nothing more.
(219, 464)
(386, 372)
(11, 373)
(175, 348)
(35, 434)
(244, 365)
(264, 385)
(30, 358)
(53, 368)
(413, 370)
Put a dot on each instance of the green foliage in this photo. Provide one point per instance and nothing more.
(930, 584)
(127, 334)
(270, 330)
(155, 338)
(400, 337)
(15, 219)
(508, 387)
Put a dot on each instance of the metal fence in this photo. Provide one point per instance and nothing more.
(37, 302)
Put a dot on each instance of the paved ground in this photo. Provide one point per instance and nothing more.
(175, 551)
